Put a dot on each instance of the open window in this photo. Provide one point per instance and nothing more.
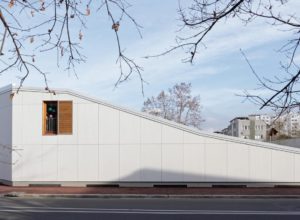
(57, 117)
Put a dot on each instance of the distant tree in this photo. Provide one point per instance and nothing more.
(176, 104)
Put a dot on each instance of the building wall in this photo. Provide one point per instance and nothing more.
(112, 145)
(6, 149)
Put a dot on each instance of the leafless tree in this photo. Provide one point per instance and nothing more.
(177, 104)
(30, 28)
(202, 17)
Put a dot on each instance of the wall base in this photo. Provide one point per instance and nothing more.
(148, 184)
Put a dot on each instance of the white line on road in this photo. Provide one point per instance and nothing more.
(142, 211)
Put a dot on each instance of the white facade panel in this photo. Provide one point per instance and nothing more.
(216, 162)
(150, 132)
(5, 99)
(88, 123)
(32, 124)
(282, 166)
(171, 135)
(31, 161)
(49, 162)
(5, 164)
(260, 164)
(215, 141)
(130, 163)
(88, 166)
(109, 163)
(172, 162)
(194, 162)
(6, 126)
(108, 125)
(297, 168)
(238, 162)
(151, 158)
(190, 138)
(33, 98)
(17, 125)
(67, 163)
(130, 129)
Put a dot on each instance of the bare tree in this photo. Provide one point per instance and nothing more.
(202, 17)
(177, 104)
(30, 28)
(42, 26)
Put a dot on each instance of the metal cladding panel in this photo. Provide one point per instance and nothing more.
(282, 166)
(109, 163)
(238, 162)
(297, 168)
(260, 164)
(216, 163)
(32, 163)
(151, 132)
(32, 124)
(67, 163)
(5, 164)
(5, 99)
(189, 138)
(109, 128)
(130, 163)
(172, 162)
(6, 126)
(171, 135)
(88, 123)
(194, 162)
(130, 129)
(88, 163)
(33, 98)
(17, 125)
(151, 158)
(49, 162)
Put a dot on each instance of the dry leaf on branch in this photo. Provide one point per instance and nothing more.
(88, 11)
(11, 3)
(80, 35)
(116, 26)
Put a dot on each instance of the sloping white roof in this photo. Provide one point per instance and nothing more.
(13, 88)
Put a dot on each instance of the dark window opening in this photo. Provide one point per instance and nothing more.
(51, 117)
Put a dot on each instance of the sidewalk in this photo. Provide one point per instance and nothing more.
(126, 192)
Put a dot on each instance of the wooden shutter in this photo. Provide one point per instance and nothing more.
(65, 117)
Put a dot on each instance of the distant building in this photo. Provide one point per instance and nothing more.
(292, 124)
(251, 127)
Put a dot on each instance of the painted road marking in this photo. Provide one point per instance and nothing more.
(142, 211)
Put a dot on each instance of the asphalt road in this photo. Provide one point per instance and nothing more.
(87, 208)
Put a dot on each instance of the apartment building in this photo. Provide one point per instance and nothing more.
(251, 127)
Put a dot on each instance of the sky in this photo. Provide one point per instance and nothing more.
(219, 72)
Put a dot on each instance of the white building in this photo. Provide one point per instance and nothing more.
(291, 123)
(252, 127)
(69, 139)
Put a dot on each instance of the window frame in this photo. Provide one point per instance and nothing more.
(44, 113)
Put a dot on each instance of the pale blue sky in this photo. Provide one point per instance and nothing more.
(219, 71)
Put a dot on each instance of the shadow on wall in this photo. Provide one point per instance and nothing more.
(157, 176)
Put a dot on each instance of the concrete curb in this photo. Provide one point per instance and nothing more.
(140, 196)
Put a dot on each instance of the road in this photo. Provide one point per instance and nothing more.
(95, 208)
